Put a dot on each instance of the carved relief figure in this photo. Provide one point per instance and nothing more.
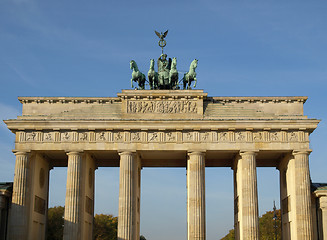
(119, 136)
(240, 136)
(170, 137)
(293, 136)
(182, 106)
(66, 136)
(136, 136)
(274, 136)
(48, 136)
(31, 136)
(205, 137)
(258, 136)
(83, 136)
(189, 136)
(154, 137)
(223, 136)
(102, 136)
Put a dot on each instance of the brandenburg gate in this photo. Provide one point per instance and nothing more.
(160, 128)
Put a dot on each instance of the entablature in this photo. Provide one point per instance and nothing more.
(162, 104)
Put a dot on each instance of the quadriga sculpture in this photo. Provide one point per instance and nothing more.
(173, 75)
(137, 76)
(153, 76)
(163, 71)
(190, 76)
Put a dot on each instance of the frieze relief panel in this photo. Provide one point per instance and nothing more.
(153, 137)
(48, 136)
(102, 136)
(162, 107)
(170, 136)
(206, 136)
(166, 136)
(188, 137)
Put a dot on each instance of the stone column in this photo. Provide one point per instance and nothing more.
(72, 225)
(248, 196)
(138, 193)
(196, 225)
(20, 198)
(320, 220)
(127, 212)
(303, 195)
(323, 207)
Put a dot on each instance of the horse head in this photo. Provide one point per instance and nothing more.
(174, 62)
(194, 63)
(132, 63)
(152, 64)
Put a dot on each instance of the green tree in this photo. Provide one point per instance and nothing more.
(105, 227)
(230, 235)
(55, 226)
(266, 227)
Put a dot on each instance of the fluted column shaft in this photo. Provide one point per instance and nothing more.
(20, 198)
(127, 212)
(196, 226)
(323, 207)
(72, 225)
(303, 195)
(250, 216)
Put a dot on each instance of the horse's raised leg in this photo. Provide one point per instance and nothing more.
(194, 83)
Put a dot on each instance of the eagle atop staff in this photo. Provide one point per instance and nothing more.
(162, 42)
(162, 35)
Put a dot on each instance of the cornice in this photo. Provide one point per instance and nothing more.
(158, 95)
(50, 100)
(307, 125)
(290, 99)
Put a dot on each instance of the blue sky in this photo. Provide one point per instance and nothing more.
(245, 48)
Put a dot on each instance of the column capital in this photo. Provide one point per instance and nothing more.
(302, 151)
(196, 152)
(249, 152)
(126, 152)
(21, 153)
(320, 193)
(74, 153)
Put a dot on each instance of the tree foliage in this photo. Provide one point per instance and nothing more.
(230, 235)
(105, 227)
(266, 227)
(55, 223)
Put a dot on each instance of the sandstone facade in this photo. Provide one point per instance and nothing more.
(171, 128)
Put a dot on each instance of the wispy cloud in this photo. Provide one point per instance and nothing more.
(21, 75)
